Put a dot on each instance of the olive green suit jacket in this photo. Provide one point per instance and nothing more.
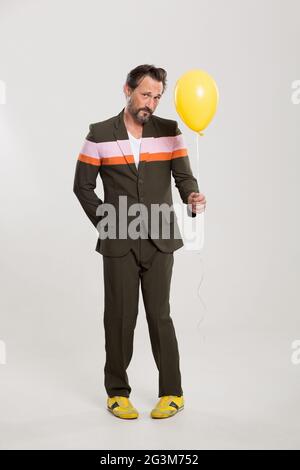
(106, 151)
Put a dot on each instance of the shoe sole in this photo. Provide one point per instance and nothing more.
(121, 417)
(168, 416)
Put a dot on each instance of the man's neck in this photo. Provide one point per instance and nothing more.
(134, 127)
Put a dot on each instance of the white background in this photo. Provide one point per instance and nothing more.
(235, 306)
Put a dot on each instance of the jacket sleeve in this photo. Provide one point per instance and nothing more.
(185, 182)
(86, 171)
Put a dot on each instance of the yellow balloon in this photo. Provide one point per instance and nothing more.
(196, 98)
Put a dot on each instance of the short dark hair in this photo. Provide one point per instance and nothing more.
(135, 75)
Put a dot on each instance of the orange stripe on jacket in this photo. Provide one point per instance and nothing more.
(150, 157)
(90, 160)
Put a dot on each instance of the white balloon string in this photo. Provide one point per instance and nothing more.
(201, 270)
(198, 158)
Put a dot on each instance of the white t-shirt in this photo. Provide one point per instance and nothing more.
(135, 146)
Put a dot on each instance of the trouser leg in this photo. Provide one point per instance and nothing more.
(121, 291)
(155, 283)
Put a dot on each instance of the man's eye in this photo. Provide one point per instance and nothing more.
(157, 97)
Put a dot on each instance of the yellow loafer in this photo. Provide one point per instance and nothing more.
(122, 407)
(167, 406)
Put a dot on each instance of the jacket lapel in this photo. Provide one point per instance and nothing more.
(122, 138)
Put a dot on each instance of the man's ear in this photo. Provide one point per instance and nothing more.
(126, 90)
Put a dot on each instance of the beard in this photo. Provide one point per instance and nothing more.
(140, 115)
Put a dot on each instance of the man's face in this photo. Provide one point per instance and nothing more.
(144, 99)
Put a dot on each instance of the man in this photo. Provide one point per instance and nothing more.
(135, 154)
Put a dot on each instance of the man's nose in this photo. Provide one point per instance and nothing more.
(151, 104)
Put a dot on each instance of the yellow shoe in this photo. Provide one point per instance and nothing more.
(121, 407)
(167, 406)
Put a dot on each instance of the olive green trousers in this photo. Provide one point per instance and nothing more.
(146, 265)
